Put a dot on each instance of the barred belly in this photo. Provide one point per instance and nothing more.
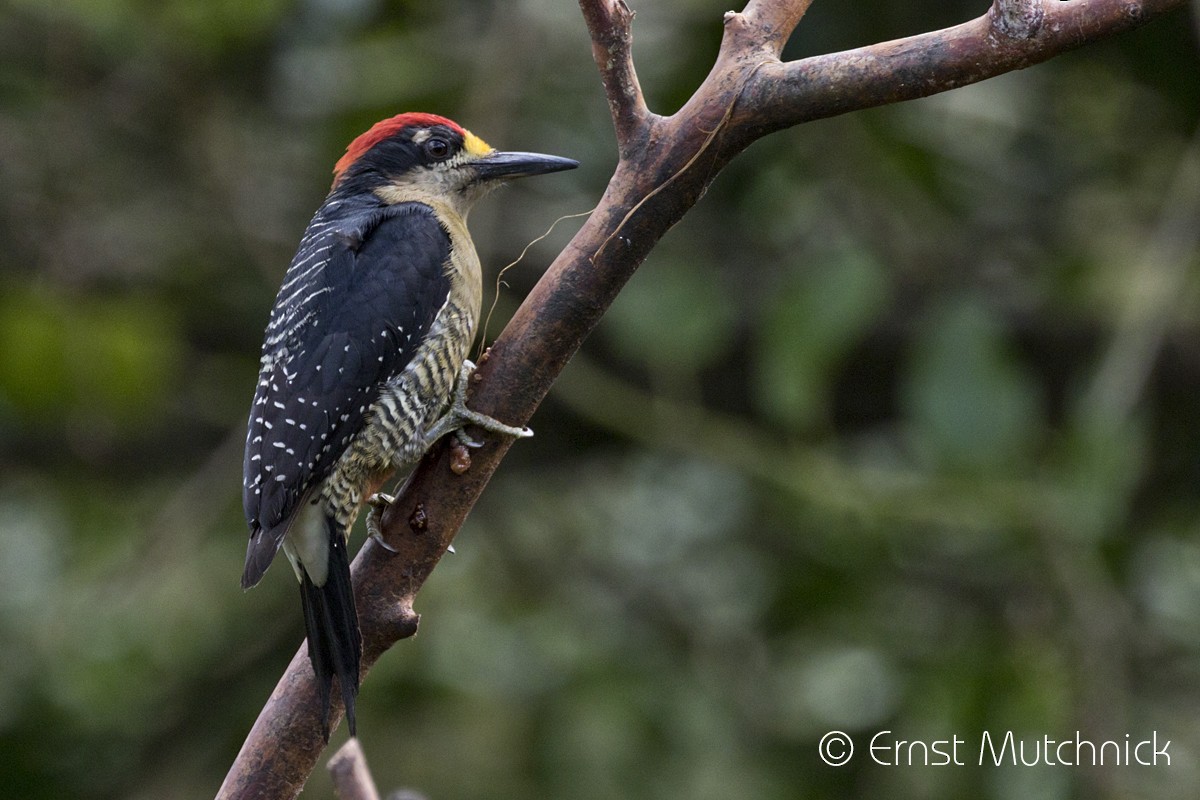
(408, 405)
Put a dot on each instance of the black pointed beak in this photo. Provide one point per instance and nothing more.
(497, 165)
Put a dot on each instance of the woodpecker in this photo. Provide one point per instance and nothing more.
(364, 360)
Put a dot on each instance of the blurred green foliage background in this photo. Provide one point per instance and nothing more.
(897, 430)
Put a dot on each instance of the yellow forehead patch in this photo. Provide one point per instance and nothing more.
(474, 145)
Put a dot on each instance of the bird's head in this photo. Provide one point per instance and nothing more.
(425, 157)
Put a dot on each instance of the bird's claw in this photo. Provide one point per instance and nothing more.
(378, 503)
(460, 416)
(466, 440)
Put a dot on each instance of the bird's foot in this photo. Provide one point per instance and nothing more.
(460, 416)
(378, 503)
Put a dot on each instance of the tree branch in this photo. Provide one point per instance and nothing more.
(1014, 34)
(351, 778)
(665, 165)
(610, 24)
(768, 23)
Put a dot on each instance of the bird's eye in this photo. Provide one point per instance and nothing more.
(437, 149)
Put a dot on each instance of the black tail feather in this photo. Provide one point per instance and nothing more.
(334, 641)
(260, 552)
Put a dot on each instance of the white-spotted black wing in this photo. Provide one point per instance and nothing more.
(359, 297)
